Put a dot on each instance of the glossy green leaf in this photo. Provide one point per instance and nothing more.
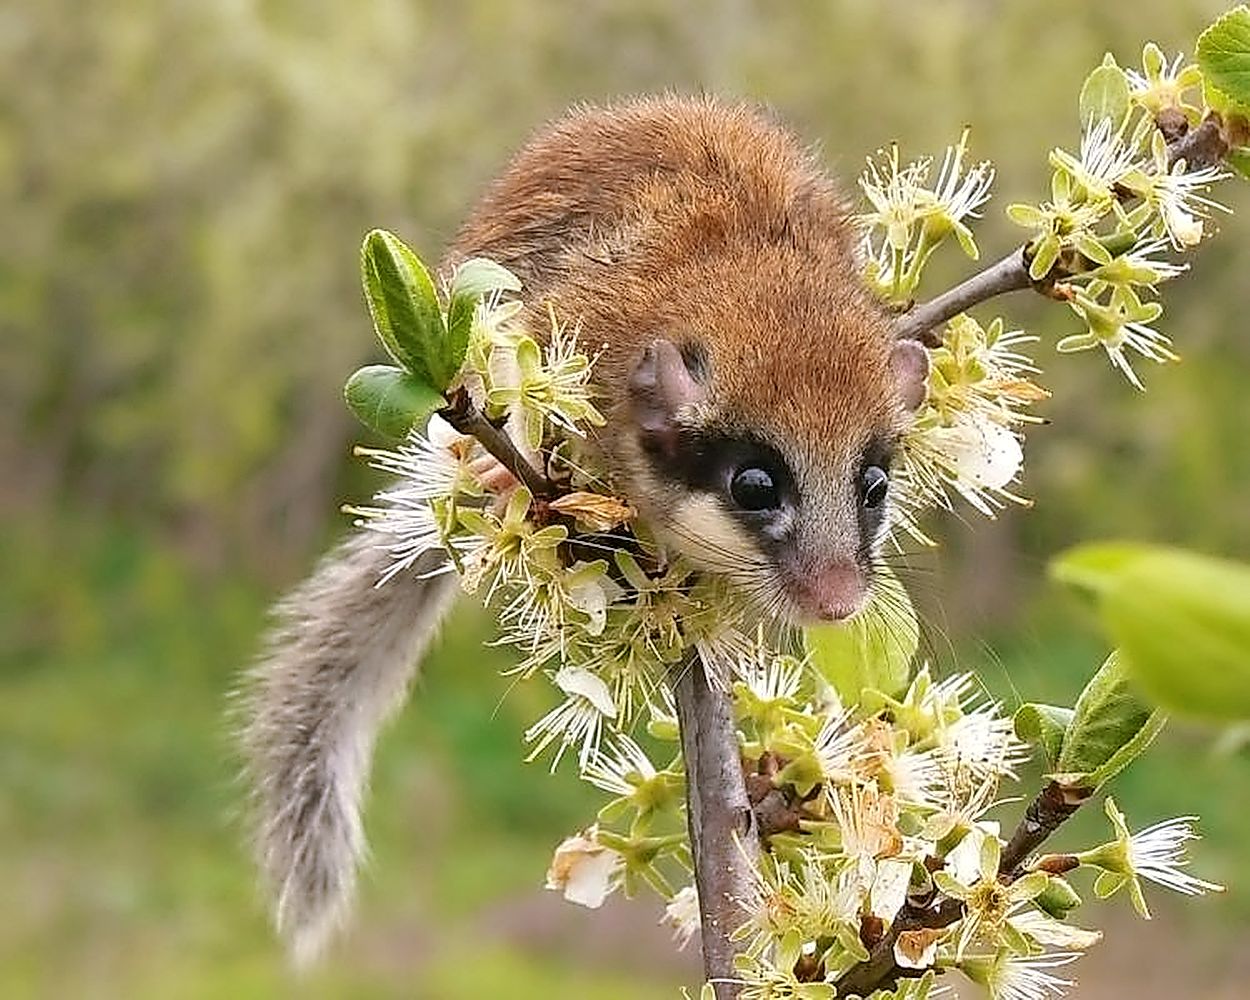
(1182, 621)
(1043, 726)
(1216, 100)
(1130, 750)
(389, 399)
(473, 279)
(405, 309)
(1110, 726)
(873, 650)
(1224, 54)
(1105, 94)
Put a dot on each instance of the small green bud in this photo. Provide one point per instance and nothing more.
(1058, 898)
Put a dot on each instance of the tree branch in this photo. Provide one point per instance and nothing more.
(723, 836)
(463, 414)
(1202, 147)
(1046, 813)
(1008, 275)
(880, 968)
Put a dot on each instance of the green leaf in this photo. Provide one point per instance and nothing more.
(473, 279)
(1182, 621)
(1097, 567)
(1105, 94)
(873, 650)
(390, 400)
(405, 309)
(1110, 727)
(1224, 54)
(1216, 100)
(1043, 726)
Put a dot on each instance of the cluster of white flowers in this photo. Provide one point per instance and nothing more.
(1116, 209)
(589, 601)
(909, 220)
(865, 843)
(964, 439)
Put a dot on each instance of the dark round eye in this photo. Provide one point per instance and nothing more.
(874, 482)
(752, 488)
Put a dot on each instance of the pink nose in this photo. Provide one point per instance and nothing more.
(835, 591)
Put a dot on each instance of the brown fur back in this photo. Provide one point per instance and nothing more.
(676, 217)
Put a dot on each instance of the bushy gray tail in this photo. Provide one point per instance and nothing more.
(338, 663)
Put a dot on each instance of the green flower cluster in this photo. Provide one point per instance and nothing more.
(1119, 210)
(909, 219)
(1119, 206)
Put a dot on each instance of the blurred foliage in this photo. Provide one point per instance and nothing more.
(1181, 622)
(184, 187)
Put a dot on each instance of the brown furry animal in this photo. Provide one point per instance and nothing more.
(753, 397)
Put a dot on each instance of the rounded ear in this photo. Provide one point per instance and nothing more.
(659, 386)
(909, 365)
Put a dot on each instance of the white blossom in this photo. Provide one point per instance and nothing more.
(682, 912)
(1158, 854)
(429, 467)
(584, 870)
(611, 771)
(1105, 159)
(839, 745)
(1020, 977)
(1181, 203)
(578, 720)
(984, 742)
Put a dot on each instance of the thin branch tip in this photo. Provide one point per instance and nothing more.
(1053, 806)
(921, 322)
(1205, 145)
(464, 415)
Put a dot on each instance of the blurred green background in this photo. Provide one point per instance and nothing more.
(183, 187)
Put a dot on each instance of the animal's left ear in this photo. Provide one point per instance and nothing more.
(909, 364)
(660, 386)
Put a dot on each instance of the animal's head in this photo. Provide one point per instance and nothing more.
(765, 429)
